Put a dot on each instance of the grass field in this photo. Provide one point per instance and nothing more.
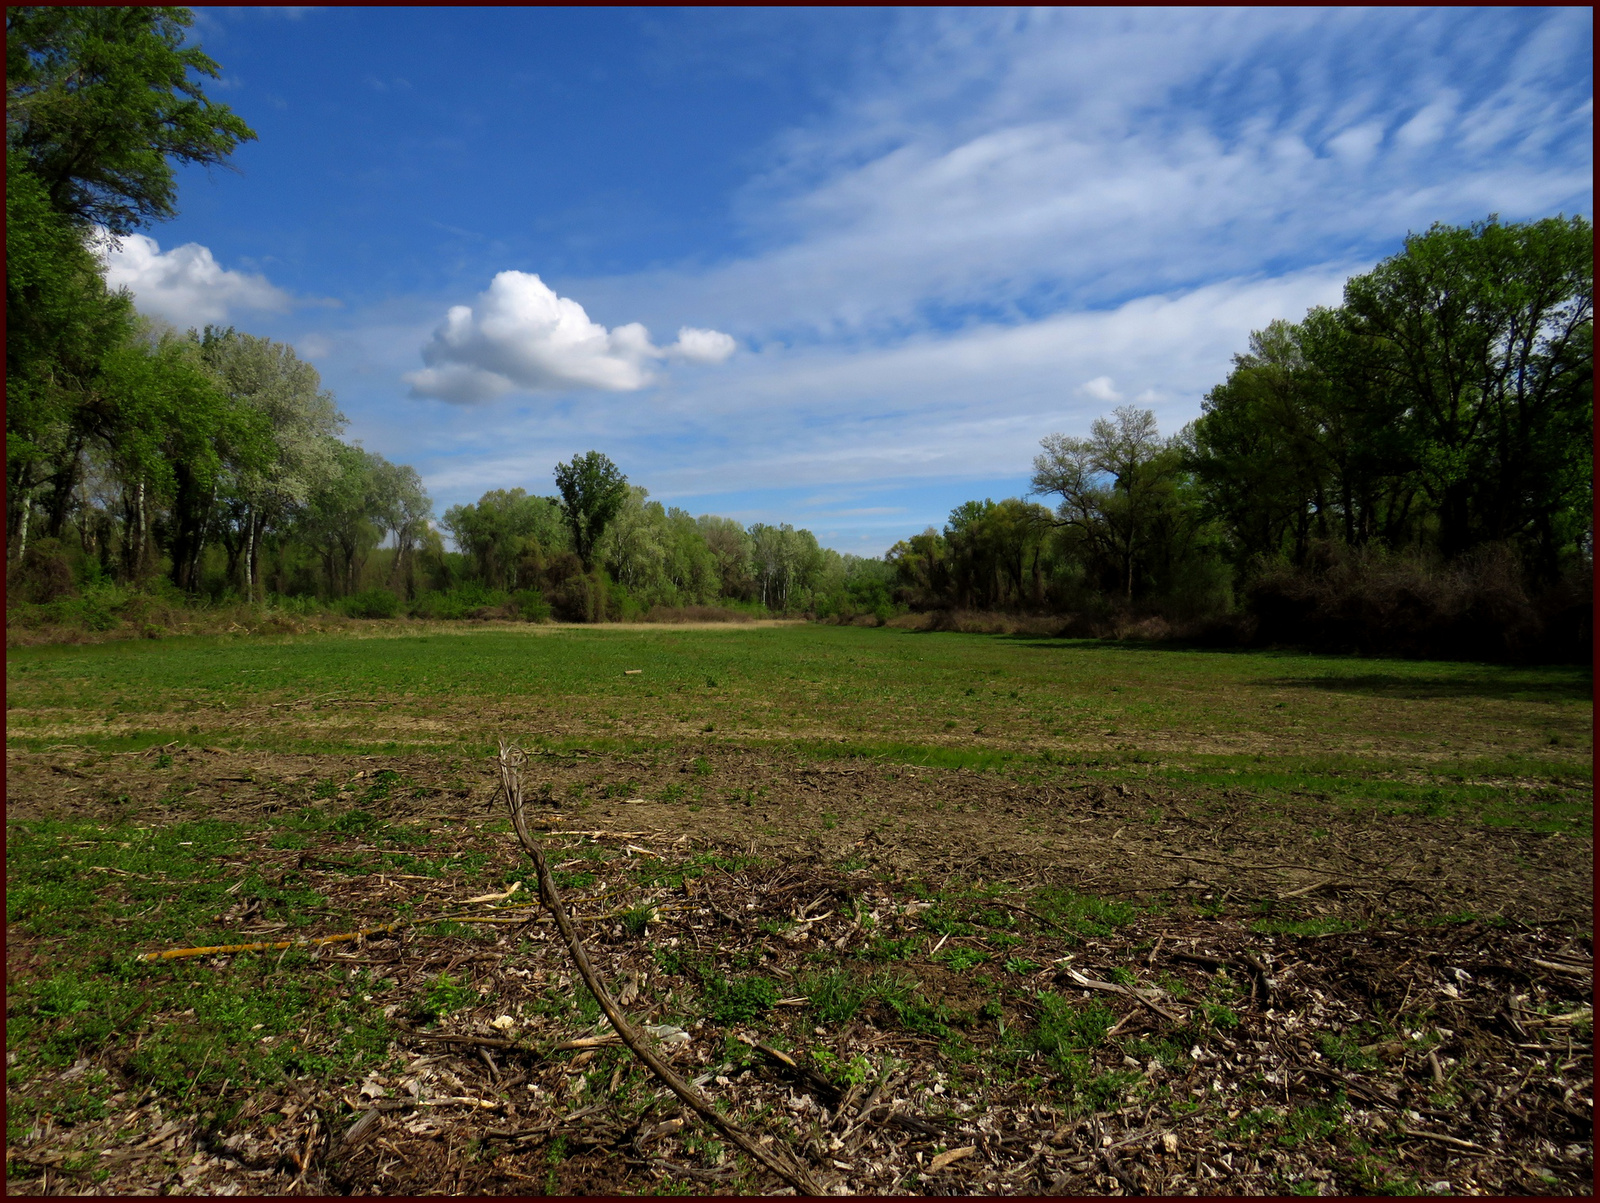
(974, 818)
(1491, 739)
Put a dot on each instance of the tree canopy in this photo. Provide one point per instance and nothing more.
(592, 492)
(100, 104)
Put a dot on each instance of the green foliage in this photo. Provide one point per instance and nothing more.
(961, 959)
(357, 822)
(442, 995)
(1066, 1028)
(835, 996)
(460, 601)
(637, 919)
(1066, 1033)
(1082, 913)
(592, 491)
(1297, 1126)
(1445, 408)
(372, 603)
(883, 948)
(736, 1000)
(1219, 1016)
(1344, 1052)
(101, 103)
(530, 605)
(508, 535)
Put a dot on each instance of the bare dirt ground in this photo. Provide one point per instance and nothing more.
(1309, 1000)
(1126, 841)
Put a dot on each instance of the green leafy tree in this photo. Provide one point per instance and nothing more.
(730, 548)
(592, 492)
(260, 498)
(787, 564)
(1446, 405)
(636, 545)
(101, 102)
(171, 425)
(1485, 334)
(505, 528)
(1302, 443)
(994, 553)
(1108, 485)
(62, 327)
(921, 567)
(690, 566)
(405, 511)
(347, 514)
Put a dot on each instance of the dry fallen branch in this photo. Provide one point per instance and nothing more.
(509, 764)
(173, 954)
(1140, 996)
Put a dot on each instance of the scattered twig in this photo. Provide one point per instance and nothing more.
(1129, 991)
(1310, 889)
(1453, 1141)
(1576, 970)
(509, 765)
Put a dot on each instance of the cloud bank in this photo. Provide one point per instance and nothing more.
(521, 336)
(185, 285)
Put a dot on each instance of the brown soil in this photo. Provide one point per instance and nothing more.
(932, 824)
(1502, 1103)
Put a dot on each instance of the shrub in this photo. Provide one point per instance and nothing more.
(460, 601)
(44, 575)
(1375, 603)
(580, 598)
(374, 603)
(530, 605)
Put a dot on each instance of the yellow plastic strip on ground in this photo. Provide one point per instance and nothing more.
(173, 954)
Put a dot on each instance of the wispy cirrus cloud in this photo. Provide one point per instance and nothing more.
(1009, 165)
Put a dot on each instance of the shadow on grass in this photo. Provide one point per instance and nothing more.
(1575, 687)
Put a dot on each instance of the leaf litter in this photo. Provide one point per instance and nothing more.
(911, 1012)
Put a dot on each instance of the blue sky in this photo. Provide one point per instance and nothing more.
(834, 267)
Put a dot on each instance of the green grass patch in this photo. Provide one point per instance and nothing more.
(1083, 914)
(960, 959)
(1016, 704)
(737, 1000)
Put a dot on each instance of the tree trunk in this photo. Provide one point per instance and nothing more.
(63, 485)
(250, 554)
(22, 541)
(141, 545)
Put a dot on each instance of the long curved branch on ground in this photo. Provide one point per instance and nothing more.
(509, 763)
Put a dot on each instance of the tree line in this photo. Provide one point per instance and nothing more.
(1412, 470)
(212, 460)
(603, 547)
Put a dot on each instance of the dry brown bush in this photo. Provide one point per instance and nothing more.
(991, 622)
(696, 614)
(1373, 603)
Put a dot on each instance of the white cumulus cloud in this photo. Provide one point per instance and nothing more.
(1100, 388)
(185, 285)
(520, 335)
(701, 346)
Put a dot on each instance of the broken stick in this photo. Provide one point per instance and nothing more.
(509, 764)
